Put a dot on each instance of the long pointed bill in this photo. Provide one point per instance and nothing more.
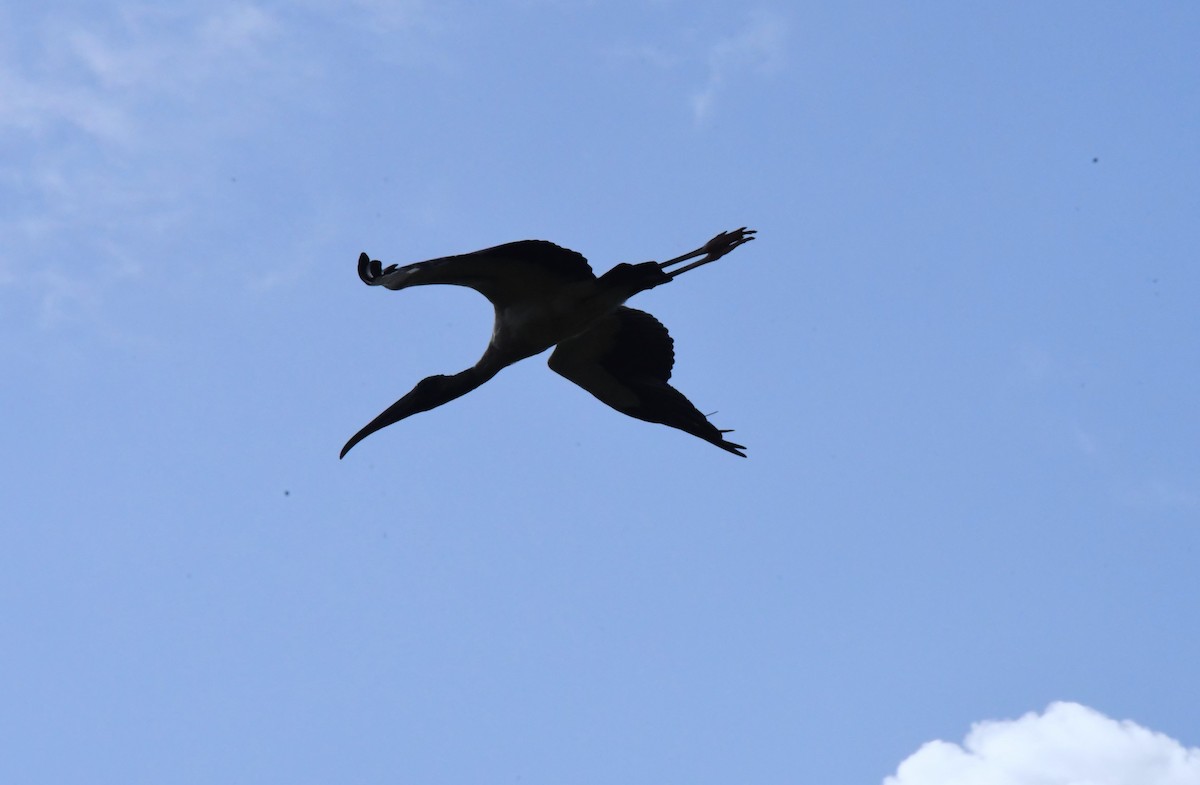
(428, 394)
(393, 414)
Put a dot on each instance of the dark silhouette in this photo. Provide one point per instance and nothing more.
(544, 296)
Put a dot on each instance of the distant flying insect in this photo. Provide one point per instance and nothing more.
(547, 296)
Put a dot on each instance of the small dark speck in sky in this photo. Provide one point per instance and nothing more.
(287, 493)
(1095, 160)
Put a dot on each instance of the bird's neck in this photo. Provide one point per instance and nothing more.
(488, 366)
(463, 382)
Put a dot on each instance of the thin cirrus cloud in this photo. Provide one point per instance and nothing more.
(117, 115)
(757, 47)
(95, 76)
(110, 99)
(103, 111)
(1067, 744)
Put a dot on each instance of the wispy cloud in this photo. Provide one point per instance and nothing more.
(94, 75)
(719, 62)
(124, 124)
(31, 106)
(98, 111)
(755, 48)
(1064, 745)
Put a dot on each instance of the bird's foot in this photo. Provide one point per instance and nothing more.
(725, 242)
(711, 251)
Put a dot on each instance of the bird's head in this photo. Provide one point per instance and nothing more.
(430, 392)
(634, 278)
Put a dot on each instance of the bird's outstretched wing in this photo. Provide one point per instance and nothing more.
(625, 360)
(505, 274)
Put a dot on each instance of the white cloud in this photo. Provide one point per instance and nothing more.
(103, 110)
(30, 107)
(1068, 744)
(757, 47)
(99, 75)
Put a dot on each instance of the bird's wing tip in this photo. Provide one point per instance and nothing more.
(364, 268)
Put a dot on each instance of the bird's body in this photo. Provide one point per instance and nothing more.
(544, 296)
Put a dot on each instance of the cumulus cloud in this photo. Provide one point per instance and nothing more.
(1068, 744)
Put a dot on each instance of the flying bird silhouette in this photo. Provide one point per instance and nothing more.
(544, 296)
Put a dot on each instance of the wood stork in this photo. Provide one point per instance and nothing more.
(547, 296)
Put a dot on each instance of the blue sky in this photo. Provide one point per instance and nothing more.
(962, 353)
